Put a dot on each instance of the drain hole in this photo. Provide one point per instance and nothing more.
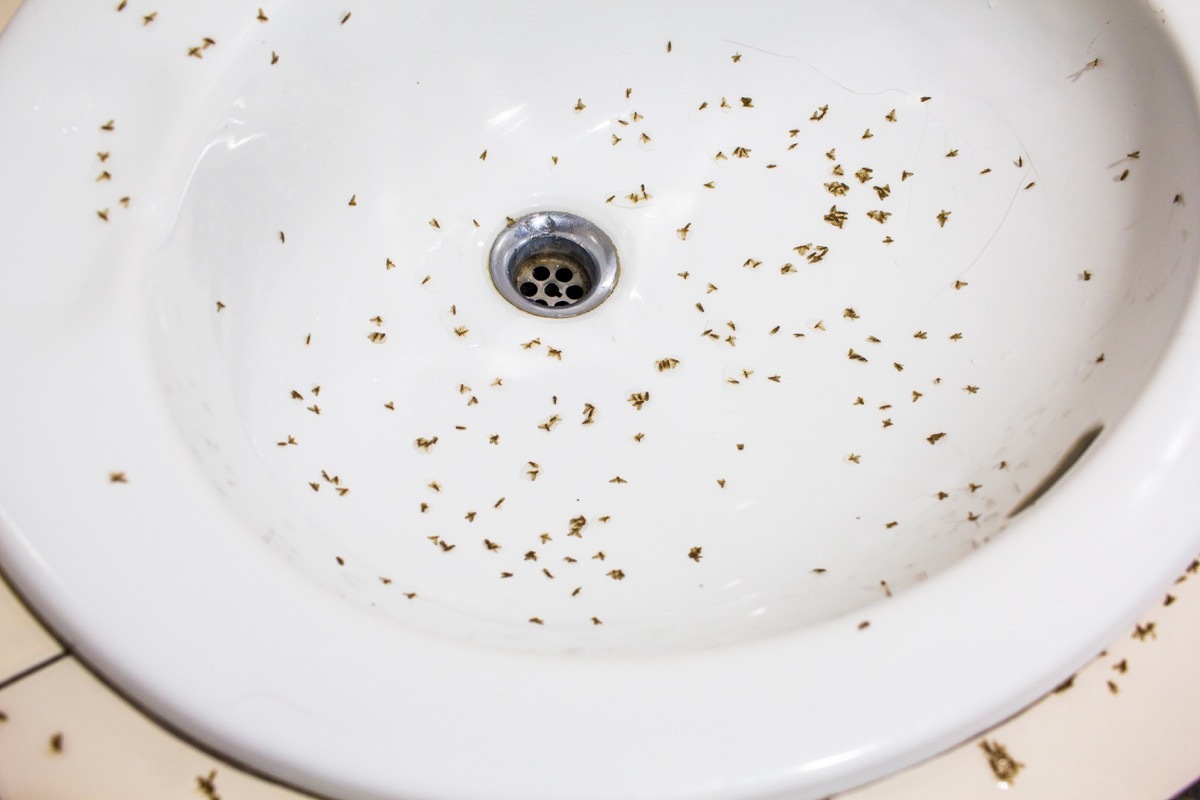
(552, 279)
(1073, 454)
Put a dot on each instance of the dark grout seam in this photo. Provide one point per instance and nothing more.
(36, 668)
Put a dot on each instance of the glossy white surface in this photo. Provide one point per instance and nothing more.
(283, 147)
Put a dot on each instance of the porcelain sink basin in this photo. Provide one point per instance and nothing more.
(888, 423)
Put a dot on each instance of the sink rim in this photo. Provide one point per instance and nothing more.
(1158, 416)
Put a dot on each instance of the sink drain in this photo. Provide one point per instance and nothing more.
(554, 264)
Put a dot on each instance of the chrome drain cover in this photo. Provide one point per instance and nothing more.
(554, 264)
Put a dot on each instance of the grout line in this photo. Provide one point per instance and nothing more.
(38, 667)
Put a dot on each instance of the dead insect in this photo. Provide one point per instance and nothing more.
(1004, 766)
(934, 438)
(864, 174)
(853, 356)
(879, 216)
(960, 285)
(942, 217)
(836, 188)
(616, 574)
(618, 478)
(146, 20)
(970, 389)
(499, 502)
(741, 152)
(346, 18)
(835, 217)
(867, 134)
(1123, 175)
(261, 16)
(819, 114)
(461, 330)
(103, 214)
(682, 233)
(579, 106)
(639, 399)
(665, 364)
(274, 57)
(425, 444)
(854, 458)
(378, 337)
(1141, 632)
(952, 154)
(891, 116)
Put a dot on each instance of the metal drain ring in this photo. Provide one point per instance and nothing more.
(554, 264)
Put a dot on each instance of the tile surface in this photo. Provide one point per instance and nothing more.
(68, 736)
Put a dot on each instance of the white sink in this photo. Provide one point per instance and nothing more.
(888, 424)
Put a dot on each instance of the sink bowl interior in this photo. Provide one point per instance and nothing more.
(884, 280)
(829, 426)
